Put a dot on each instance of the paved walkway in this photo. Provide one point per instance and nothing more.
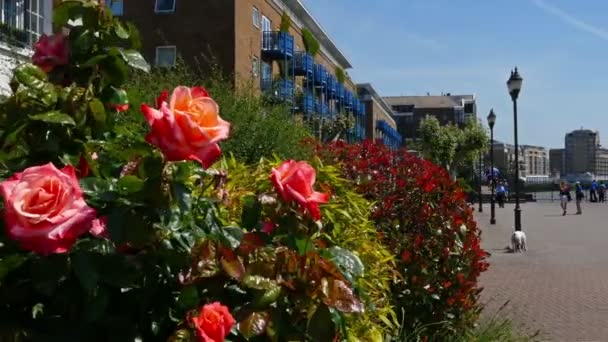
(560, 286)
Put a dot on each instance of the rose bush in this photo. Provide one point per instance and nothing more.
(136, 248)
(51, 51)
(422, 216)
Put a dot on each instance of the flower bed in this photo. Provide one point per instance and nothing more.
(422, 216)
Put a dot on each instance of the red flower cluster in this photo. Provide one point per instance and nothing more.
(423, 217)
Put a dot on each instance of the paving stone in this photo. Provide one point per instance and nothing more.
(560, 286)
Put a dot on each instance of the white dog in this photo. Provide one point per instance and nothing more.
(518, 242)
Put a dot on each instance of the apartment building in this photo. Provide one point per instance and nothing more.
(21, 24)
(409, 111)
(536, 161)
(504, 157)
(582, 147)
(379, 122)
(557, 162)
(247, 40)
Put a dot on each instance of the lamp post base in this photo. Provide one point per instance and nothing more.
(518, 219)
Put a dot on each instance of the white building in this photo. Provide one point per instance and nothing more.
(21, 24)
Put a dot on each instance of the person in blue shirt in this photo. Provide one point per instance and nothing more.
(593, 192)
(501, 194)
(579, 198)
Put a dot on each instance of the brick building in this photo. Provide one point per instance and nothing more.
(244, 39)
(379, 122)
(409, 111)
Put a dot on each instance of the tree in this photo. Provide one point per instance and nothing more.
(450, 146)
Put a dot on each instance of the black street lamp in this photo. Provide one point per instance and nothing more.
(514, 86)
(480, 179)
(491, 122)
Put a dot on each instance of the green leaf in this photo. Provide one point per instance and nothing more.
(233, 266)
(93, 61)
(258, 282)
(188, 298)
(349, 264)
(120, 30)
(54, 117)
(98, 111)
(252, 212)
(115, 70)
(130, 184)
(255, 324)
(304, 246)
(85, 271)
(183, 195)
(37, 310)
(10, 263)
(268, 297)
(321, 327)
(337, 294)
(134, 59)
(61, 12)
(231, 236)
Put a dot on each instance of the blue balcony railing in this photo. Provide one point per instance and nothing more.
(320, 75)
(278, 89)
(340, 91)
(277, 44)
(304, 63)
(348, 99)
(390, 136)
(307, 103)
(331, 86)
(321, 107)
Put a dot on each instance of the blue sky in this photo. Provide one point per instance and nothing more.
(411, 47)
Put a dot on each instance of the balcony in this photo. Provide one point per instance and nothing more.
(304, 64)
(277, 45)
(321, 107)
(360, 108)
(278, 89)
(390, 136)
(320, 75)
(15, 19)
(348, 99)
(306, 103)
(331, 86)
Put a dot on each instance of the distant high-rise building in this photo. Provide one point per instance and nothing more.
(582, 147)
(557, 161)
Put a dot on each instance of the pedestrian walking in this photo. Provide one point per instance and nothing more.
(593, 192)
(602, 191)
(563, 196)
(501, 194)
(580, 195)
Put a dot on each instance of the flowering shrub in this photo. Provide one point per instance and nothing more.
(423, 218)
(109, 235)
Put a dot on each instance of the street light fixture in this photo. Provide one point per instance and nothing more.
(514, 85)
(491, 122)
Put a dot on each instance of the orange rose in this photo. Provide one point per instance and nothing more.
(44, 209)
(213, 323)
(188, 127)
(294, 181)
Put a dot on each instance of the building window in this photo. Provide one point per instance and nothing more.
(266, 24)
(166, 56)
(164, 6)
(256, 17)
(24, 20)
(255, 66)
(115, 6)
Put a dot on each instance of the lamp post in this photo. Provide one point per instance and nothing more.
(514, 86)
(480, 178)
(491, 122)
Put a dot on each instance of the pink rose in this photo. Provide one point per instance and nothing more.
(51, 51)
(188, 127)
(294, 181)
(44, 210)
(99, 228)
(213, 323)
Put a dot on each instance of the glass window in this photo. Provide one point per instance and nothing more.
(256, 17)
(166, 56)
(165, 6)
(255, 66)
(266, 24)
(115, 7)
